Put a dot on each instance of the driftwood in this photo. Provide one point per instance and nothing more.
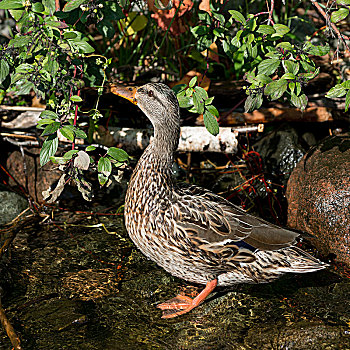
(192, 138)
(27, 118)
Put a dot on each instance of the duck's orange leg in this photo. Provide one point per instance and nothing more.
(181, 304)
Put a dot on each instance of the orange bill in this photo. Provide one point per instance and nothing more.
(125, 92)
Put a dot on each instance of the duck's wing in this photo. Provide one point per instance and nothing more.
(216, 225)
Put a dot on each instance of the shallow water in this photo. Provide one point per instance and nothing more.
(79, 287)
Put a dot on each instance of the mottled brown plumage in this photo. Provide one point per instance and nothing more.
(191, 232)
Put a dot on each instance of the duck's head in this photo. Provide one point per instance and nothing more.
(156, 100)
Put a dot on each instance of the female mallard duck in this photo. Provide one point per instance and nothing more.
(191, 232)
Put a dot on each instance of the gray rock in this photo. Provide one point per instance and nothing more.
(12, 204)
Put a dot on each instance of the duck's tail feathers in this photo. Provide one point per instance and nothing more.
(301, 262)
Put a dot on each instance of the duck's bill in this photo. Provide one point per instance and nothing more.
(125, 92)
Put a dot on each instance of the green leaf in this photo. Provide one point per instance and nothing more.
(56, 24)
(253, 102)
(4, 69)
(58, 160)
(285, 45)
(219, 17)
(179, 88)
(118, 154)
(209, 100)
(38, 7)
(49, 149)
(198, 104)
(310, 75)
(20, 40)
(200, 31)
(347, 101)
(51, 128)
(280, 29)
(288, 76)
(70, 35)
(262, 78)
(90, 148)
(26, 88)
(193, 82)
(276, 88)
(80, 134)
(42, 122)
(201, 92)
(237, 16)
(185, 102)
(299, 101)
(69, 154)
(250, 76)
(112, 11)
(346, 84)
(17, 15)
(48, 114)
(343, 2)
(213, 110)
(102, 179)
(291, 66)
(50, 5)
(268, 66)
(104, 166)
(204, 17)
(336, 91)
(81, 45)
(264, 29)
(106, 28)
(11, 4)
(73, 4)
(339, 15)
(291, 86)
(219, 32)
(319, 50)
(298, 86)
(67, 133)
(76, 98)
(211, 123)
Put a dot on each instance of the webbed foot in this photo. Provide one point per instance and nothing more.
(182, 304)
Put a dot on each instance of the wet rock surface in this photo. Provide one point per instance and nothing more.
(12, 205)
(30, 175)
(76, 286)
(318, 194)
(281, 150)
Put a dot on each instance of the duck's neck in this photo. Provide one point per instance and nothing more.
(160, 153)
(166, 139)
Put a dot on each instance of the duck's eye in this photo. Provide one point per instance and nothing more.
(150, 93)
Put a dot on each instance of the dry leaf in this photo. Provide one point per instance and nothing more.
(164, 17)
(213, 53)
(205, 82)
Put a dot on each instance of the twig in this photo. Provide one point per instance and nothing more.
(270, 20)
(18, 136)
(15, 341)
(340, 36)
(21, 108)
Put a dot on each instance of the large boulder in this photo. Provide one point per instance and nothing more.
(318, 195)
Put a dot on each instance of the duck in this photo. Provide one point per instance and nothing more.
(191, 232)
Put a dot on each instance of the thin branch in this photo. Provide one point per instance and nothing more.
(270, 20)
(340, 36)
(15, 341)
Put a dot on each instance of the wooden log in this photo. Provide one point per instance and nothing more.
(192, 139)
